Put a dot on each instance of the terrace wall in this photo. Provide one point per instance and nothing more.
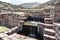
(9, 20)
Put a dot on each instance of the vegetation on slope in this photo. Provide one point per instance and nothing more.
(43, 5)
(8, 6)
(3, 29)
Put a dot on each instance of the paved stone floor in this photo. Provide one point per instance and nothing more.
(15, 37)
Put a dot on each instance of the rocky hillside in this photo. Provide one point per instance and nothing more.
(38, 5)
(35, 5)
(29, 5)
(43, 5)
(8, 6)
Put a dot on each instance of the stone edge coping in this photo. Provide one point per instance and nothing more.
(58, 24)
(12, 29)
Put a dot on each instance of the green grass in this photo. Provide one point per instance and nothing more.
(3, 29)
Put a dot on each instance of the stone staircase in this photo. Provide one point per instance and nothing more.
(49, 32)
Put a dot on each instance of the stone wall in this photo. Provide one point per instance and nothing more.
(57, 31)
(57, 12)
(57, 19)
(10, 20)
(49, 32)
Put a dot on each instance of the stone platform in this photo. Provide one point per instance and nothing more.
(15, 37)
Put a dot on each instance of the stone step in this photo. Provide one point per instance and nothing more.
(49, 33)
(48, 37)
(50, 27)
(49, 30)
(48, 20)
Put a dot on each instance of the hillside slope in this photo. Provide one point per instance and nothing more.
(29, 5)
(8, 6)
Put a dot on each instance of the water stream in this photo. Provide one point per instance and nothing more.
(30, 31)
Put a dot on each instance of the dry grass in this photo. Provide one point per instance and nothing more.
(3, 29)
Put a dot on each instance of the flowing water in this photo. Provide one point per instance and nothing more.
(31, 31)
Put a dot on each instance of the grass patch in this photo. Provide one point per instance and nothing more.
(3, 29)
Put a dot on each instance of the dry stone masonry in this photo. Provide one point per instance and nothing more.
(57, 19)
(15, 37)
(50, 29)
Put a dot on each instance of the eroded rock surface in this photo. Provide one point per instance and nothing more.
(15, 36)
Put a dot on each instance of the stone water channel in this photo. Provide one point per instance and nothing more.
(31, 30)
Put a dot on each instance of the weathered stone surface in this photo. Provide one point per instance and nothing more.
(15, 37)
(48, 20)
(57, 11)
(47, 38)
(57, 31)
(50, 27)
(50, 33)
(10, 20)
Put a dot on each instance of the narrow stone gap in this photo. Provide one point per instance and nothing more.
(31, 31)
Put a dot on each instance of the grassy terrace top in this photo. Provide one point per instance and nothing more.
(3, 29)
(18, 13)
(32, 23)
